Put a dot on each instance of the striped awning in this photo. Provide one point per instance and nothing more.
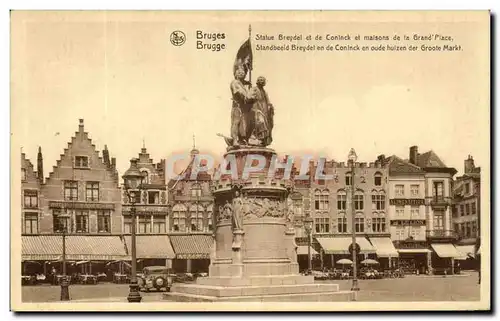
(192, 246)
(384, 247)
(302, 250)
(151, 246)
(340, 245)
(78, 248)
(446, 250)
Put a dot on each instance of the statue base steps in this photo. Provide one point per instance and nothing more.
(287, 288)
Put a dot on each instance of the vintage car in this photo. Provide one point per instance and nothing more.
(156, 277)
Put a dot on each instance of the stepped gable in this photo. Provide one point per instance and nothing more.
(156, 172)
(81, 141)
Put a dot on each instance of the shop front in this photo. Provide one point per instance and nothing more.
(192, 252)
(444, 258)
(152, 250)
(386, 252)
(414, 257)
(337, 248)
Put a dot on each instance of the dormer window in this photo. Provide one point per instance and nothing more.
(81, 162)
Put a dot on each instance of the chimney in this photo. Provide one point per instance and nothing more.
(113, 162)
(39, 169)
(381, 159)
(469, 165)
(105, 156)
(414, 155)
(80, 126)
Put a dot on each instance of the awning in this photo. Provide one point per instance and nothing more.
(340, 245)
(384, 247)
(466, 251)
(446, 250)
(415, 251)
(78, 248)
(151, 246)
(478, 251)
(192, 246)
(302, 250)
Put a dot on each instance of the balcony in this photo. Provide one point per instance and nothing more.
(439, 202)
(442, 234)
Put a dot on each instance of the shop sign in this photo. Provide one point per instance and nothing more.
(407, 222)
(85, 206)
(407, 201)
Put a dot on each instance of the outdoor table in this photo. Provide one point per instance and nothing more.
(119, 278)
(88, 279)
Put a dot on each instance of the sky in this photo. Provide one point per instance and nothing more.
(120, 73)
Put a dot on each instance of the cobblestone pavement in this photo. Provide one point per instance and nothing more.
(410, 288)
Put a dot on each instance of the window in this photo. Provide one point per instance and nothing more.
(342, 225)
(23, 174)
(127, 227)
(359, 202)
(378, 224)
(348, 179)
(456, 228)
(400, 233)
(438, 220)
(414, 190)
(468, 229)
(145, 177)
(462, 209)
(467, 189)
(400, 211)
(462, 227)
(196, 190)
(474, 228)
(153, 197)
(473, 208)
(454, 210)
(210, 215)
(322, 225)
(92, 189)
(321, 201)
(82, 161)
(71, 190)
(438, 191)
(30, 199)
(104, 221)
(196, 214)
(144, 224)
(415, 233)
(400, 190)
(179, 218)
(82, 221)
(360, 224)
(467, 209)
(297, 207)
(414, 212)
(159, 224)
(341, 201)
(378, 179)
(378, 202)
(60, 224)
(31, 223)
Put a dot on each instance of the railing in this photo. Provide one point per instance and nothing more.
(442, 234)
(439, 200)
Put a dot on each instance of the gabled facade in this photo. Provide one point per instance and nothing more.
(82, 192)
(31, 181)
(152, 208)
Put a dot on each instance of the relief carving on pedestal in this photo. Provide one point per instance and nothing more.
(262, 207)
(225, 212)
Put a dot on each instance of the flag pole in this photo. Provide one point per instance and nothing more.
(250, 43)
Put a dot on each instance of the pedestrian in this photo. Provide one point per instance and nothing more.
(54, 275)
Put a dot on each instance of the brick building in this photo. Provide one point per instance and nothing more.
(30, 192)
(153, 245)
(80, 198)
(467, 208)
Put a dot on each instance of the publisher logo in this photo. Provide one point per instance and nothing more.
(177, 38)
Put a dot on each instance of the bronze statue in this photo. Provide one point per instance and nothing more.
(240, 111)
(262, 120)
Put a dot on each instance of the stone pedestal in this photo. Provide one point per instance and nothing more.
(255, 255)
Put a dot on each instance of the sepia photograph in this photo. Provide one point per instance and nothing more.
(250, 160)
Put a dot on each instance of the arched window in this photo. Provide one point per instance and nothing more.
(321, 201)
(196, 215)
(341, 200)
(348, 179)
(179, 218)
(342, 224)
(378, 200)
(377, 179)
(145, 174)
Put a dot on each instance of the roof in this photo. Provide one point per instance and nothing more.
(430, 159)
(194, 246)
(151, 246)
(400, 166)
(78, 247)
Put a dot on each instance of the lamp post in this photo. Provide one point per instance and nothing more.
(133, 183)
(308, 222)
(63, 223)
(352, 157)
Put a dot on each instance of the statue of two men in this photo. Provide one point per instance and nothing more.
(252, 114)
